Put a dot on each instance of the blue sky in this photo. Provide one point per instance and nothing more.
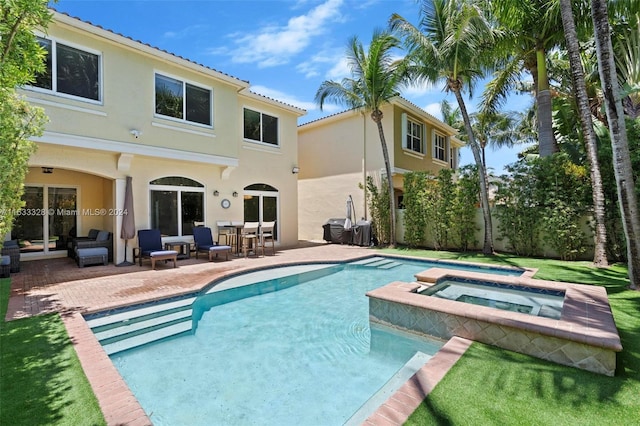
(284, 48)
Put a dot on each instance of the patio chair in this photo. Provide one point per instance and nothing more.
(225, 231)
(204, 243)
(250, 238)
(102, 239)
(266, 234)
(150, 247)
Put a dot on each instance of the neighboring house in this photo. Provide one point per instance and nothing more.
(336, 154)
(198, 144)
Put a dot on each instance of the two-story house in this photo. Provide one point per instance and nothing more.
(197, 143)
(338, 152)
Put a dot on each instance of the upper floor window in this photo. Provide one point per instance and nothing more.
(69, 70)
(439, 147)
(260, 127)
(183, 101)
(414, 136)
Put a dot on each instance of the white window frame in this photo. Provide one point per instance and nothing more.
(439, 148)
(261, 141)
(184, 100)
(408, 124)
(179, 190)
(54, 71)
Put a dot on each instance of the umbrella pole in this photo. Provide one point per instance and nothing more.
(125, 263)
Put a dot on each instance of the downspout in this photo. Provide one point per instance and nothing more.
(364, 163)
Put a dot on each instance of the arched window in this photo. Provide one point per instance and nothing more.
(176, 203)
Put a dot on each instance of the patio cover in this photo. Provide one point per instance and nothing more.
(128, 230)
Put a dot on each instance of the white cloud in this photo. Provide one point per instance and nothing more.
(283, 97)
(185, 32)
(434, 109)
(424, 89)
(322, 58)
(340, 70)
(275, 45)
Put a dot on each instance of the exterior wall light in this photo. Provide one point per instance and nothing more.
(216, 193)
(295, 170)
(235, 193)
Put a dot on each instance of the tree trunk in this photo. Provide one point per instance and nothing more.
(621, 158)
(546, 140)
(580, 89)
(487, 247)
(376, 116)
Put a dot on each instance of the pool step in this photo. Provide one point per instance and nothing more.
(377, 262)
(389, 388)
(148, 337)
(135, 327)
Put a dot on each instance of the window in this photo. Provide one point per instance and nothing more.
(183, 101)
(414, 136)
(260, 127)
(69, 71)
(439, 147)
(176, 203)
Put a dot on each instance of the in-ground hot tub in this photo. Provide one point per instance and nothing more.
(542, 302)
(583, 336)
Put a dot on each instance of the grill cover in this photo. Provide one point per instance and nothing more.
(334, 232)
(361, 233)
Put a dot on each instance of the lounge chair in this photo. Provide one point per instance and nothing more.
(150, 247)
(204, 243)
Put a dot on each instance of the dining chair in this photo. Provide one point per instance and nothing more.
(250, 238)
(266, 234)
(225, 231)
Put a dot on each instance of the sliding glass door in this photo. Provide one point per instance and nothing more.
(261, 205)
(44, 223)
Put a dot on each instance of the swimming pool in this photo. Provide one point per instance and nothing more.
(281, 346)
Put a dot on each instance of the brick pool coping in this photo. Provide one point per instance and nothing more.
(57, 285)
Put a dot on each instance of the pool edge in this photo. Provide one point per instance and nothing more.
(400, 405)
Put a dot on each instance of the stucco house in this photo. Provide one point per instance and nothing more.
(338, 152)
(198, 144)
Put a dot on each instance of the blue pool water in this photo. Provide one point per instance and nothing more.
(294, 350)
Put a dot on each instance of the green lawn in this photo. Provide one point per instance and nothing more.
(493, 386)
(41, 380)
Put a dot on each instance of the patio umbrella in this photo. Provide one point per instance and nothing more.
(347, 223)
(128, 230)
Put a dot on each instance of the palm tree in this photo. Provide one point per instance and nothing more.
(627, 54)
(615, 116)
(376, 78)
(449, 48)
(588, 133)
(495, 129)
(528, 31)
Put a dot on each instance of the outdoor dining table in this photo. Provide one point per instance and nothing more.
(238, 227)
